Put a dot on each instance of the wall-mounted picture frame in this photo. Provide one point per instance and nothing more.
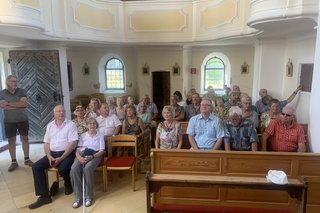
(244, 68)
(145, 69)
(70, 79)
(176, 69)
(86, 69)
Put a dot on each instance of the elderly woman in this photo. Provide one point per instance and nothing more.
(145, 116)
(169, 132)
(247, 111)
(133, 125)
(93, 108)
(120, 110)
(131, 101)
(88, 156)
(219, 110)
(80, 120)
(273, 113)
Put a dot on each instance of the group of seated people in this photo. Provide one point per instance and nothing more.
(228, 122)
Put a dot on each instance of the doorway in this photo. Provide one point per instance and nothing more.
(161, 89)
(38, 72)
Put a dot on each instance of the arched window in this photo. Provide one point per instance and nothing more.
(114, 74)
(214, 74)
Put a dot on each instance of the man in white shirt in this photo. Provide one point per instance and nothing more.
(108, 124)
(60, 141)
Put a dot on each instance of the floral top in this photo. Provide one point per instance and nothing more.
(223, 115)
(265, 120)
(81, 127)
(169, 137)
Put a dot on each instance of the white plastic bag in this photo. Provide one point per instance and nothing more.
(277, 177)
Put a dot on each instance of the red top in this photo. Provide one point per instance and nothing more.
(285, 139)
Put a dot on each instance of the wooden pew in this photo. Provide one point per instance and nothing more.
(236, 165)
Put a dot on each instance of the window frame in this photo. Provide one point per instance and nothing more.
(123, 77)
(227, 71)
(205, 87)
(102, 75)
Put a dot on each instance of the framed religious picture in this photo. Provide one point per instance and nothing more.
(176, 69)
(86, 69)
(244, 68)
(145, 69)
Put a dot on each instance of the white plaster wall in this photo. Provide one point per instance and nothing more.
(159, 59)
(270, 60)
(299, 50)
(314, 98)
(84, 84)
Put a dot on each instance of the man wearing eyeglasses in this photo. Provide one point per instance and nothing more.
(285, 134)
(205, 131)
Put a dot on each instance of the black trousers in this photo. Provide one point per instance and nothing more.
(39, 175)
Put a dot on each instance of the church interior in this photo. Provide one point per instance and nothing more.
(163, 46)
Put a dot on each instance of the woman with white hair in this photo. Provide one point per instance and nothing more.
(169, 132)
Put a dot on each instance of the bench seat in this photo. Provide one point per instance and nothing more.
(178, 208)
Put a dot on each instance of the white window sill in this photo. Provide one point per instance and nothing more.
(114, 91)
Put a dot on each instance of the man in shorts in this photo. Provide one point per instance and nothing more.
(13, 101)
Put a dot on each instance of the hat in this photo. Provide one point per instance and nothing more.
(79, 108)
(277, 177)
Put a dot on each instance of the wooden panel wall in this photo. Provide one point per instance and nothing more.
(237, 164)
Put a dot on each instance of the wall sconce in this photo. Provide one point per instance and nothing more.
(289, 68)
(193, 71)
(145, 69)
(244, 68)
(86, 69)
(176, 69)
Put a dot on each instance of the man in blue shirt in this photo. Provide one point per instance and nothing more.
(205, 130)
(240, 133)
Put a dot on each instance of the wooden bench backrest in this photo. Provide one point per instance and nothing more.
(233, 163)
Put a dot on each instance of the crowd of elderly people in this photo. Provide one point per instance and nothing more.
(229, 122)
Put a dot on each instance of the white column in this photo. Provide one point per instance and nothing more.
(314, 125)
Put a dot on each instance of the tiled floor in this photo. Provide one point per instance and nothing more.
(17, 191)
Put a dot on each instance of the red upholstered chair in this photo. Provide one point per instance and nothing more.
(122, 162)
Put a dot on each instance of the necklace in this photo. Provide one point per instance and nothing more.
(168, 126)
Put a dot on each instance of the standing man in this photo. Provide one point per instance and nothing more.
(14, 102)
(60, 141)
(205, 131)
(285, 134)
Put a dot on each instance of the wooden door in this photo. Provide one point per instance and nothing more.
(38, 72)
(161, 89)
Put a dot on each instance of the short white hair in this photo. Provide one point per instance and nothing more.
(235, 110)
